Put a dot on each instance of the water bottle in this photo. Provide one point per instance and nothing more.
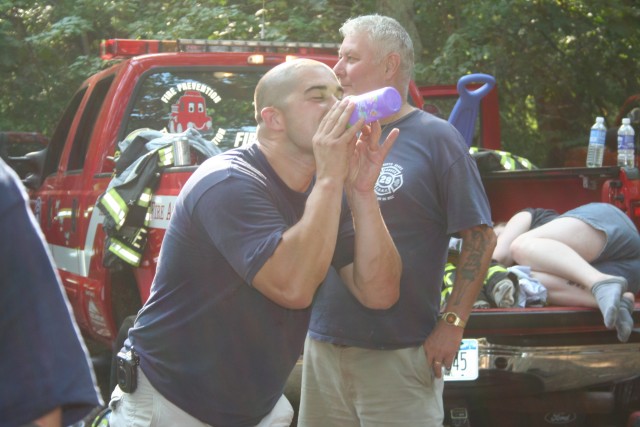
(626, 147)
(376, 105)
(595, 152)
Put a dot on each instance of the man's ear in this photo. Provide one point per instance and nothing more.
(392, 65)
(272, 118)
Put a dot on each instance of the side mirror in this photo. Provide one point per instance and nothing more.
(29, 167)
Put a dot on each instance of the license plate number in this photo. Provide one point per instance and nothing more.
(465, 365)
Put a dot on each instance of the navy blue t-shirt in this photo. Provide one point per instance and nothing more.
(208, 341)
(429, 188)
(541, 216)
(43, 362)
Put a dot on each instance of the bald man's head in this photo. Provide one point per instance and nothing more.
(280, 82)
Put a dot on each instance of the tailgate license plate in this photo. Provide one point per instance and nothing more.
(465, 365)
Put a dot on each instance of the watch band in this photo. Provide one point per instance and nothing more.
(453, 319)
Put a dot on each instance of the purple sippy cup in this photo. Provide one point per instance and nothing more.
(376, 105)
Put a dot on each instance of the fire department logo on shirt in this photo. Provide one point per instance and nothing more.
(389, 181)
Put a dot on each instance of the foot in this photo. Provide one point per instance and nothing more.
(608, 293)
(624, 322)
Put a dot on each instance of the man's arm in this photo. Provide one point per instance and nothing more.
(517, 225)
(477, 246)
(300, 263)
(374, 276)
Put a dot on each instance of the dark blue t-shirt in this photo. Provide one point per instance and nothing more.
(43, 362)
(208, 341)
(429, 188)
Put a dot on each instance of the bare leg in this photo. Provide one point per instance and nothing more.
(565, 247)
(564, 292)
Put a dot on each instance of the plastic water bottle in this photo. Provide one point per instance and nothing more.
(595, 152)
(626, 147)
(376, 105)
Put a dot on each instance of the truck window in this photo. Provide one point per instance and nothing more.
(218, 103)
(59, 137)
(87, 124)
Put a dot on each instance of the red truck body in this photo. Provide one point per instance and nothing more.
(557, 343)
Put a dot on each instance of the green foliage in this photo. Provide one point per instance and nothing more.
(558, 63)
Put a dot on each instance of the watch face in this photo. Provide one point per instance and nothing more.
(451, 318)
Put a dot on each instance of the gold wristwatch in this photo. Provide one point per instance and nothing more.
(452, 318)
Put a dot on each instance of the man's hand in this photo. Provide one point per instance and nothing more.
(441, 347)
(367, 159)
(334, 142)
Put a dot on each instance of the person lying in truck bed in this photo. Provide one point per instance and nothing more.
(588, 256)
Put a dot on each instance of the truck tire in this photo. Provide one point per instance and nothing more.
(125, 296)
(127, 323)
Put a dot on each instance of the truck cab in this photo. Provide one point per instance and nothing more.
(166, 86)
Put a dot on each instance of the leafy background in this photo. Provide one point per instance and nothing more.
(558, 63)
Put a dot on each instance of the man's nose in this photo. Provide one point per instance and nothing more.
(338, 68)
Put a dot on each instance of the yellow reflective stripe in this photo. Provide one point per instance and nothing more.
(125, 253)
(104, 422)
(449, 269)
(116, 206)
(444, 295)
(496, 269)
(147, 218)
(165, 156)
(506, 160)
(524, 162)
(145, 197)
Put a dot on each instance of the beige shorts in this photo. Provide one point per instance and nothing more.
(350, 386)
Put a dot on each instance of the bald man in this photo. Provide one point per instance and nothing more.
(254, 233)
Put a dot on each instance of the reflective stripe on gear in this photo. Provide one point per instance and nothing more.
(447, 283)
(165, 156)
(496, 268)
(124, 252)
(145, 198)
(115, 206)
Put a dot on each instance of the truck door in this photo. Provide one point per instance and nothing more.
(64, 204)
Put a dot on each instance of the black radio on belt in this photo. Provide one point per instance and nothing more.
(127, 373)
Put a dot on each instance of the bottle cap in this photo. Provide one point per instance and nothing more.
(599, 119)
(376, 105)
(626, 121)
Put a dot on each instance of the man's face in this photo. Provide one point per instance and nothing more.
(317, 91)
(358, 68)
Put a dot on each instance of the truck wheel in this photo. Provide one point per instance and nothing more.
(125, 296)
(127, 323)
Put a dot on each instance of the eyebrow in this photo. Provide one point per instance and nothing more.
(338, 91)
(345, 51)
(318, 87)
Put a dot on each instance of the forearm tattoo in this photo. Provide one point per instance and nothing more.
(472, 258)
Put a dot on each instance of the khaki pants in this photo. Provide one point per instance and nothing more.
(350, 386)
(146, 407)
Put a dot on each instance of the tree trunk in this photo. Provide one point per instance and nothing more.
(403, 12)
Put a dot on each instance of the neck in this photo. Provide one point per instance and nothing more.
(404, 110)
(295, 169)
